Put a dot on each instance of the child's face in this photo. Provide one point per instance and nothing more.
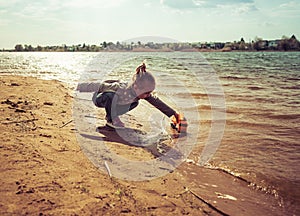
(145, 90)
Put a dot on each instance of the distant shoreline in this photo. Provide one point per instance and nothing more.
(145, 50)
(284, 44)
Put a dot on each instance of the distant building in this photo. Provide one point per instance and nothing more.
(261, 44)
(216, 45)
(219, 45)
(273, 44)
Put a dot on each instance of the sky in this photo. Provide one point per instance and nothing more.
(57, 22)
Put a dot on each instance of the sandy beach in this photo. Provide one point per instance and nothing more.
(44, 171)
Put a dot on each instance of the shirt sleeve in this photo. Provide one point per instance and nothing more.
(160, 105)
(88, 87)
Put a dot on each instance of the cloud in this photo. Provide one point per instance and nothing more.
(92, 3)
(52, 8)
(217, 3)
(290, 5)
(268, 24)
(181, 4)
(6, 4)
(242, 9)
(4, 22)
(211, 7)
(287, 10)
(190, 4)
(37, 11)
(30, 9)
(290, 9)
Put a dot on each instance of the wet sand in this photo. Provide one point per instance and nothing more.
(44, 171)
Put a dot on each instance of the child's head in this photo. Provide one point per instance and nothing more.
(143, 82)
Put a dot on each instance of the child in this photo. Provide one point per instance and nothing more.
(118, 97)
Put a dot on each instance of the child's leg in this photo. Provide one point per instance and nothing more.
(105, 100)
(122, 109)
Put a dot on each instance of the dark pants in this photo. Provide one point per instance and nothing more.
(108, 100)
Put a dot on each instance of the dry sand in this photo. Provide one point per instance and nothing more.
(44, 172)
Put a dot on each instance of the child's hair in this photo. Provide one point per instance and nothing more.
(142, 75)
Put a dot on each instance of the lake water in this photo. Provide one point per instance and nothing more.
(248, 104)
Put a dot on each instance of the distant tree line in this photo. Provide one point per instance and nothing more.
(284, 44)
(258, 44)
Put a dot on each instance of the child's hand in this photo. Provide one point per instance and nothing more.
(177, 118)
(179, 122)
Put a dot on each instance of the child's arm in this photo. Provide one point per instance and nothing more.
(179, 121)
(160, 105)
(88, 87)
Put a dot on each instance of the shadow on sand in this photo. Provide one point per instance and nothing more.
(157, 145)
